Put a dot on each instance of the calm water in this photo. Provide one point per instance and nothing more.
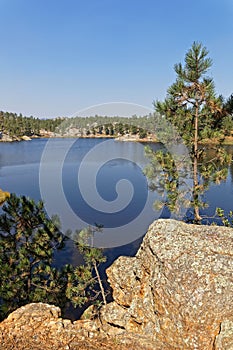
(102, 164)
(83, 179)
(20, 172)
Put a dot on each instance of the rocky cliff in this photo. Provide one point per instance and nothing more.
(176, 293)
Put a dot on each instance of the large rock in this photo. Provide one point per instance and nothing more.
(39, 326)
(176, 293)
(178, 290)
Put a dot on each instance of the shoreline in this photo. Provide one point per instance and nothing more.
(228, 140)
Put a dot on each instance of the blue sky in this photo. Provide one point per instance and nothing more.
(60, 56)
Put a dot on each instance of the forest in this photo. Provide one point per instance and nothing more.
(16, 125)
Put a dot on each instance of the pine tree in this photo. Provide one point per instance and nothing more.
(191, 107)
(228, 105)
(92, 256)
(28, 240)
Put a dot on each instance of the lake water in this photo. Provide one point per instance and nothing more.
(88, 181)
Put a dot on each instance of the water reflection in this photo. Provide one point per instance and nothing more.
(19, 167)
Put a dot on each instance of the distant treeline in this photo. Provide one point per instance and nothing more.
(142, 125)
(108, 126)
(18, 125)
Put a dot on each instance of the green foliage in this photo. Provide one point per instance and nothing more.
(28, 241)
(227, 125)
(192, 94)
(167, 177)
(192, 108)
(142, 133)
(93, 257)
(79, 284)
(113, 126)
(228, 105)
(226, 219)
(17, 125)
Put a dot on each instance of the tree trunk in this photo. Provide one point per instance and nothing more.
(197, 217)
(100, 283)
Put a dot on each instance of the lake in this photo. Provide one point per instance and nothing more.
(89, 181)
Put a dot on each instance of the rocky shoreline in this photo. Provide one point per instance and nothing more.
(125, 138)
(7, 138)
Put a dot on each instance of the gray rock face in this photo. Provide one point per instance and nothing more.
(177, 292)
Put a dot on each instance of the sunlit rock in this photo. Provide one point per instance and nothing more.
(176, 293)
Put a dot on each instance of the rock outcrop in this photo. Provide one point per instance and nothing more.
(39, 326)
(25, 138)
(176, 293)
(178, 289)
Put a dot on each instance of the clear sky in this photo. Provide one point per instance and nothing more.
(60, 56)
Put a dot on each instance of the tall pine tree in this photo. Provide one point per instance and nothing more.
(192, 107)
